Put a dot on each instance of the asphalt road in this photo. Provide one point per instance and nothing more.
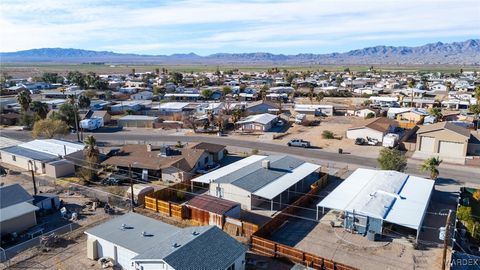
(449, 172)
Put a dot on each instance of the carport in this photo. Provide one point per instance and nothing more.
(372, 198)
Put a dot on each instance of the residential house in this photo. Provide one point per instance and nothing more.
(163, 162)
(17, 213)
(362, 112)
(135, 242)
(258, 122)
(137, 121)
(217, 151)
(261, 182)
(40, 154)
(375, 128)
(314, 109)
(372, 200)
(144, 95)
(260, 107)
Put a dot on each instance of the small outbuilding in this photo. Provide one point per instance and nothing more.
(17, 213)
(47, 201)
(139, 121)
(139, 193)
(210, 210)
(375, 128)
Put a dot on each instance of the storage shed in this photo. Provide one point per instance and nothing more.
(59, 168)
(47, 201)
(210, 210)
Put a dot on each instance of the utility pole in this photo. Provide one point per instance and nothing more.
(131, 186)
(445, 241)
(33, 177)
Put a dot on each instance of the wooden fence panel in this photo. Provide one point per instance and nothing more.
(151, 203)
(263, 246)
(176, 211)
(163, 207)
(290, 253)
(248, 228)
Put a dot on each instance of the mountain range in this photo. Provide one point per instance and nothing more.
(455, 53)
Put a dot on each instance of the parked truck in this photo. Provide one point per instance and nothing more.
(91, 123)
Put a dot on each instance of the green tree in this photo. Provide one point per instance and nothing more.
(176, 77)
(431, 165)
(392, 159)
(24, 99)
(108, 94)
(436, 112)
(370, 115)
(226, 90)
(40, 109)
(263, 91)
(77, 78)
(66, 113)
(91, 157)
(49, 128)
(50, 77)
(83, 102)
(475, 109)
(207, 93)
(320, 96)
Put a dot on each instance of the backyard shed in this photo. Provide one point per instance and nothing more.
(47, 201)
(59, 168)
(210, 210)
(17, 213)
(139, 121)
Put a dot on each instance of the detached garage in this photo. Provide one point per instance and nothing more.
(446, 140)
(375, 128)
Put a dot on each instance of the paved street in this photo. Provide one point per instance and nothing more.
(447, 171)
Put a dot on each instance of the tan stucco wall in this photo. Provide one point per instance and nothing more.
(443, 135)
(21, 162)
(59, 170)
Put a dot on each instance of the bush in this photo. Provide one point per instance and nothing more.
(327, 134)
(392, 159)
(255, 151)
(464, 213)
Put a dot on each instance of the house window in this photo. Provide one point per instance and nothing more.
(231, 267)
(14, 158)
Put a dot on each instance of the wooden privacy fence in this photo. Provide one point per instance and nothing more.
(271, 248)
(165, 207)
(237, 227)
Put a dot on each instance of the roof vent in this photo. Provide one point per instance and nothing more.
(266, 164)
(144, 233)
(124, 226)
(176, 245)
(195, 233)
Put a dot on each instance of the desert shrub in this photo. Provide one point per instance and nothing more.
(327, 134)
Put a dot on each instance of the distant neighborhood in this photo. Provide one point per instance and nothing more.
(232, 169)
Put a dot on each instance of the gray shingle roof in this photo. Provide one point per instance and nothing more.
(254, 176)
(29, 153)
(13, 194)
(200, 248)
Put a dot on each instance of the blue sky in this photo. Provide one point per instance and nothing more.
(211, 26)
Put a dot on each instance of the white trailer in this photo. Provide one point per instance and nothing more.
(91, 123)
(390, 140)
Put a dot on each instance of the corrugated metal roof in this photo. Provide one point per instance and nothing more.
(29, 153)
(258, 118)
(53, 146)
(212, 204)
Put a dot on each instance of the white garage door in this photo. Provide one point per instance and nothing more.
(452, 149)
(427, 144)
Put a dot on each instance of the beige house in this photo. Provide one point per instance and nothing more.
(444, 139)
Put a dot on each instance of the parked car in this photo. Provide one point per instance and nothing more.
(111, 181)
(299, 143)
(360, 141)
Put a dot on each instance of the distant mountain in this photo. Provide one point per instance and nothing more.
(455, 53)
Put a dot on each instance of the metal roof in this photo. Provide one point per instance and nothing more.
(53, 147)
(258, 118)
(212, 204)
(388, 195)
(28, 153)
(13, 194)
(250, 175)
(138, 117)
(16, 210)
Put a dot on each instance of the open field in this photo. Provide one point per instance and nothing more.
(22, 70)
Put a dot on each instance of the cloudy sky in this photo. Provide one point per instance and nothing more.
(211, 26)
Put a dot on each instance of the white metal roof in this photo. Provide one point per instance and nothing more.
(311, 107)
(173, 105)
(53, 147)
(258, 118)
(388, 195)
(273, 189)
(216, 174)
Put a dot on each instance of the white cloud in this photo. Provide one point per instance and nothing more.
(219, 26)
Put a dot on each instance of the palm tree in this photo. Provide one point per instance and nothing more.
(71, 100)
(311, 93)
(437, 112)
(431, 165)
(24, 99)
(90, 149)
(320, 97)
(40, 108)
